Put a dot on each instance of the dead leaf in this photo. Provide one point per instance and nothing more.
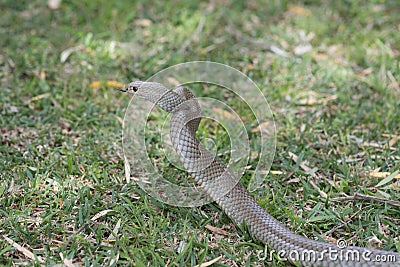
(120, 120)
(382, 175)
(298, 10)
(112, 237)
(100, 214)
(319, 56)
(66, 261)
(261, 126)
(97, 84)
(302, 49)
(23, 250)
(115, 84)
(394, 82)
(38, 97)
(53, 4)
(330, 239)
(223, 113)
(374, 240)
(173, 81)
(315, 99)
(216, 230)
(387, 179)
(114, 260)
(12, 109)
(143, 22)
(209, 263)
(294, 180)
(42, 75)
(67, 52)
(279, 51)
(392, 142)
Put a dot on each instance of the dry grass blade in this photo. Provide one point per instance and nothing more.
(392, 141)
(382, 175)
(209, 263)
(115, 231)
(23, 250)
(100, 214)
(66, 261)
(387, 179)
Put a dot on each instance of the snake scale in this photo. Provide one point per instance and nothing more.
(215, 178)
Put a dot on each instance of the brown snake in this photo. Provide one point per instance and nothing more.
(222, 186)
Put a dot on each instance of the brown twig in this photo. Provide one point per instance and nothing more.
(367, 197)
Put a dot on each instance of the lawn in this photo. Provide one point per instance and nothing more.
(330, 73)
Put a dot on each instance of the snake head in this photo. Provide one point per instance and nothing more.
(132, 87)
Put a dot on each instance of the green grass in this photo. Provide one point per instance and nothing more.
(61, 158)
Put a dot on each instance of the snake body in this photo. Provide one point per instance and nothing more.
(222, 186)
